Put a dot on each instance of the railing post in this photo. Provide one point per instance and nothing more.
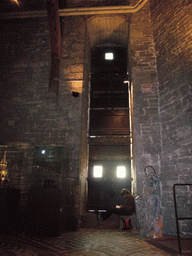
(176, 216)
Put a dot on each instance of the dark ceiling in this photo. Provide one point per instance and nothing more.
(18, 5)
(33, 5)
(25, 5)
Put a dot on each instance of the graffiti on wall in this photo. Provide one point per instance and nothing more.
(148, 205)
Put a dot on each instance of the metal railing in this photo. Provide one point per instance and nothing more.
(176, 215)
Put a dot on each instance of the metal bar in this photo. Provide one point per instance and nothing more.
(185, 218)
(177, 224)
(109, 145)
(176, 215)
(113, 135)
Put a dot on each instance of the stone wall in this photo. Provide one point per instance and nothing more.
(25, 55)
(30, 115)
(172, 33)
(75, 77)
(25, 110)
(146, 115)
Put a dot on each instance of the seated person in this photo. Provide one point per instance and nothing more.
(128, 208)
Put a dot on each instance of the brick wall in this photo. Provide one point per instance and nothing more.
(25, 55)
(146, 114)
(24, 71)
(30, 115)
(172, 33)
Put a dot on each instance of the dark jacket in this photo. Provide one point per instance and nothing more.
(129, 203)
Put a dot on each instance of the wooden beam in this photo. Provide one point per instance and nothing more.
(55, 42)
(54, 76)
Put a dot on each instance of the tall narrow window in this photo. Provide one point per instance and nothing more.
(109, 132)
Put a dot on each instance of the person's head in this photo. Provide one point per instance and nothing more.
(125, 192)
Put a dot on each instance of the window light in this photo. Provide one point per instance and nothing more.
(109, 56)
(97, 171)
(121, 172)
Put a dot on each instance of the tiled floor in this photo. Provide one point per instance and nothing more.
(82, 242)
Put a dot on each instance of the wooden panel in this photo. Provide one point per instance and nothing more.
(109, 152)
(109, 121)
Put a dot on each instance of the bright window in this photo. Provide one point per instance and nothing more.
(109, 56)
(121, 172)
(97, 171)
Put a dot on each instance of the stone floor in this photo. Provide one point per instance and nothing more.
(82, 242)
